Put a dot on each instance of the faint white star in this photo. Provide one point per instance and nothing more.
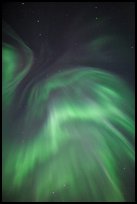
(75, 43)
(124, 168)
(66, 14)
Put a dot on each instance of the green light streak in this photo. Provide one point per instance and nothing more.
(12, 70)
(85, 140)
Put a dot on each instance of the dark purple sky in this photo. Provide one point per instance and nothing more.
(54, 29)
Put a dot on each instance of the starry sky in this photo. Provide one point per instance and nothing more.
(68, 101)
(53, 29)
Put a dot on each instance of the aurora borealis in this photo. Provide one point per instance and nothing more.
(67, 136)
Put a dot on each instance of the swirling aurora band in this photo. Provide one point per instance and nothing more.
(85, 139)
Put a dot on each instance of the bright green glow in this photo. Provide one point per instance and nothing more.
(81, 143)
(85, 140)
(9, 61)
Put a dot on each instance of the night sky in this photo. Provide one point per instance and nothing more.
(45, 157)
(53, 29)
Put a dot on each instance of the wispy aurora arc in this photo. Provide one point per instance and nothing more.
(84, 142)
(17, 58)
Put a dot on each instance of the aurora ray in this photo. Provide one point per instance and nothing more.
(85, 137)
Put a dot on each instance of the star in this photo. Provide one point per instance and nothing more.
(40, 34)
(96, 18)
(38, 21)
(75, 43)
(95, 7)
(66, 14)
(22, 3)
(124, 168)
(132, 47)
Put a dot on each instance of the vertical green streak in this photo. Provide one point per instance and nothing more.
(16, 63)
(85, 138)
(81, 144)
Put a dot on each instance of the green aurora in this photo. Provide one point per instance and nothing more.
(84, 147)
